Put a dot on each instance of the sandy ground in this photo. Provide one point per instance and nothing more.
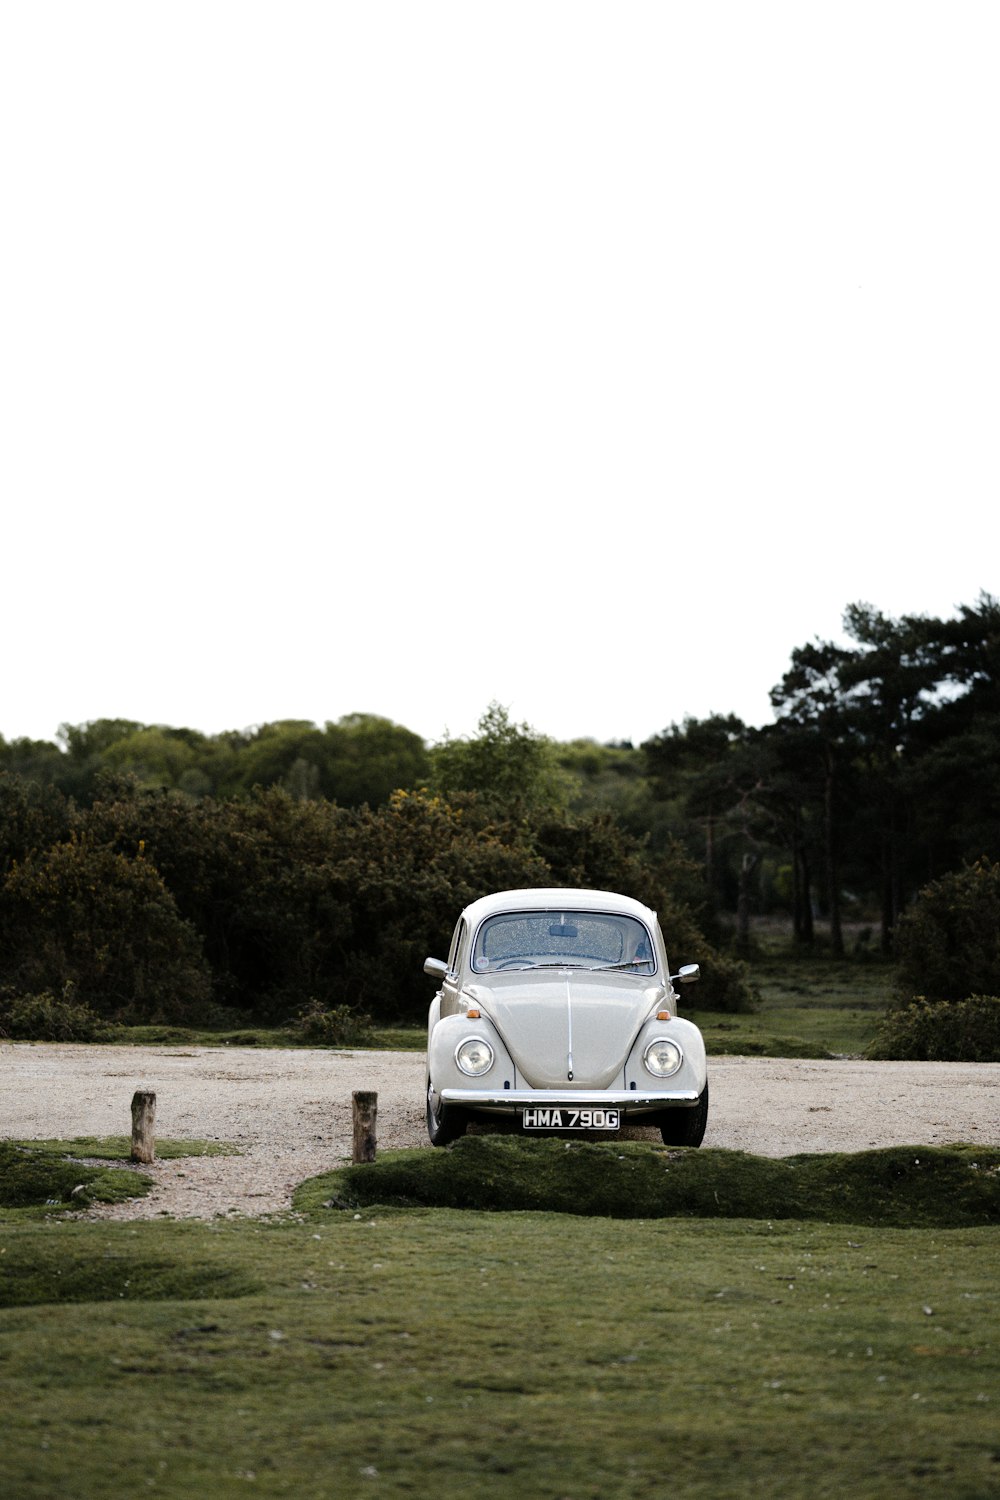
(289, 1112)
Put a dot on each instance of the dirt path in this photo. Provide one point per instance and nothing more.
(289, 1112)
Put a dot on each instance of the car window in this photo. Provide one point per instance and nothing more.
(457, 944)
(583, 940)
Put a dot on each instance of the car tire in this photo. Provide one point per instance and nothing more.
(685, 1127)
(446, 1123)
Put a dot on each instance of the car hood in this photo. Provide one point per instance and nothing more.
(567, 1025)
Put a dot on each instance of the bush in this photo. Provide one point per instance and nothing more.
(948, 943)
(49, 1018)
(107, 925)
(941, 1031)
(339, 1026)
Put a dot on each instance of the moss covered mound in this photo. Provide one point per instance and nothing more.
(41, 1178)
(908, 1186)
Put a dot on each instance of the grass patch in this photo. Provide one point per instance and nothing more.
(44, 1273)
(46, 1177)
(944, 1186)
(382, 1039)
(119, 1147)
(407, 1352)
(811, 1005)
(399, 1039)
(45, 1181)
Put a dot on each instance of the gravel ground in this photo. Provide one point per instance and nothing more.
(289, 1112)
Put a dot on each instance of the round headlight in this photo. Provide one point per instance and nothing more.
(662, 1057)
(474, 1056)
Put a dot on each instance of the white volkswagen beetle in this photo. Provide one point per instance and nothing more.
(557, 1008)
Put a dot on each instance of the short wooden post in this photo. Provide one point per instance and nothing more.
(365, 1111)
(143, 1126)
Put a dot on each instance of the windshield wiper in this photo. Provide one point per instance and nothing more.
(630, 963)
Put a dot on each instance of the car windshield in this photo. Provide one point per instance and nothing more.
(575, 939)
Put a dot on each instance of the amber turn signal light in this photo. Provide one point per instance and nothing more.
(472, 1015)
(661, 1015)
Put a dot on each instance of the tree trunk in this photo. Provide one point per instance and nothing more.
(806, 933)
(832, 861)
(748, 864)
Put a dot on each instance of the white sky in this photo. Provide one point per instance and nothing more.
(398, 357)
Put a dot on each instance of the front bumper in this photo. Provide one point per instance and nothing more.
(624, 1099)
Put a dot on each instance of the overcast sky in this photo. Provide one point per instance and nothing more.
(400, 357)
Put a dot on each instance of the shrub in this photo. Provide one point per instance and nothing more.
(49, 1018)
(948, 943)
(336, 1026)
(941, 1031)
(84, 915)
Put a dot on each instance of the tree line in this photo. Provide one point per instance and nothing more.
(151, 872)
(878, 774)
(149, 905)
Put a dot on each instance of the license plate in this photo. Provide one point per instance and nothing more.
(538, 1118)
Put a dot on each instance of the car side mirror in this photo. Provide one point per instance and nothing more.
(436, 967)
(687, 974)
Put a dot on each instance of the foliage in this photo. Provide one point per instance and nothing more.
(33, 816)
(269, 865)
(948, 943)
(251, 876)
(947, 1186)
(49, 1018)
(941, 1031)
(508, 765)
(161, 908)
(339, 1026)
(596, 853)
(31, 1178)
(361, 759)
(405, 872)
(79, 914)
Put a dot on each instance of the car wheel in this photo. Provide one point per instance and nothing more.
(446, 1123)
(685, 1127)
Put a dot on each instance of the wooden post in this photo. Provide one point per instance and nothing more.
(365, 1110)
(143, 1126)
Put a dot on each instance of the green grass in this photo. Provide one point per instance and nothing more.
(385, 1038)
(39, 1177)
(118, 1148)
(909, 1186)
(709, 1349)
(811, 1005)
(404, 1353)
(400, 1038)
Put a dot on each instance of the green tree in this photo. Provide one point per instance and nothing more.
(251, 875)
(81, 915)
(611, 779)
(158, 756)
(405, 871)
(33, 817)
(367, 758)
(948, 942)
(35, 760)
(816, 732)
(508, 765)
(360, 759)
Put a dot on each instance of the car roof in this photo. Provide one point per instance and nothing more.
(556, 898)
